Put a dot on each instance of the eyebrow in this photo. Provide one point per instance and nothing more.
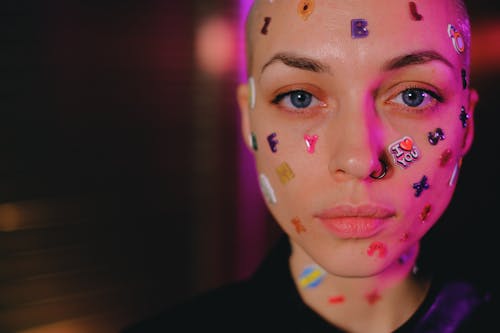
(416, 59)
(316, 66)
(298, 62)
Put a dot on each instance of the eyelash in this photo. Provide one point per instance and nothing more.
(434, 97)
(312, 105)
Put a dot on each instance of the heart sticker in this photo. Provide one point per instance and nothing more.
(406, 144)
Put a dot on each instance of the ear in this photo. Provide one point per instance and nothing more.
(243, 96)
(469, 135)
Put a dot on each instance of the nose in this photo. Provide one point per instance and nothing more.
(355, 145)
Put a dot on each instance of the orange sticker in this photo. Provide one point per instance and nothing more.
(298, 225)
(305, 8)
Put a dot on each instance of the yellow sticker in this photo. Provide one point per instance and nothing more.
(285, 173)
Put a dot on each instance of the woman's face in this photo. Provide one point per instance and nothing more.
(330, 100)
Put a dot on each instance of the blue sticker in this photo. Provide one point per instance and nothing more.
(311, 277)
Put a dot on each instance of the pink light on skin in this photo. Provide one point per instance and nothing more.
(379, 247)
(251, 225)
(310, 142)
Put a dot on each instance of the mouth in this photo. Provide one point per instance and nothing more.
(358, 222)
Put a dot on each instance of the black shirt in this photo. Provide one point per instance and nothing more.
(269, 302)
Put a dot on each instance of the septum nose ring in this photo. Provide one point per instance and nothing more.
(379, 174)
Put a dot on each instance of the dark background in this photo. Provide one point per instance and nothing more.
(120, 183)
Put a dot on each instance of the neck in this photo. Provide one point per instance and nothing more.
(385, 300)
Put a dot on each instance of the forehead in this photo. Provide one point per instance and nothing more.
(324, 30)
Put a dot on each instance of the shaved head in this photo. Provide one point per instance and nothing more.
(255, 12)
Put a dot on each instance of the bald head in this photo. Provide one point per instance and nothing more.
(262, 11)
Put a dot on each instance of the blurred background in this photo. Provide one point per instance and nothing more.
(124, 183)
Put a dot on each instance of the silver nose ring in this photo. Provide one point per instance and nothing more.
(380, 174)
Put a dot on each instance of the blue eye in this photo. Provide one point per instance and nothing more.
(297, 99)
(300, 99)
(416, 97)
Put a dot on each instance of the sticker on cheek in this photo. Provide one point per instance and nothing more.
(267, 21)
(311, 276)
(404, 152)
(359, 28)
(464, 117)
(305, 8)
(311, 143)
(424, 214)
(377, 247)
(251, 91)
(464, 79)
(454, 175)
(253, 142)
(285, 173)
(267, 189)
(445, 157)
(414, 12)
(299, 227)
(456, 38)
(436, 136)
(273, 143)
(421, 186)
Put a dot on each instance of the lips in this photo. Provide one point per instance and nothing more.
(347, 221)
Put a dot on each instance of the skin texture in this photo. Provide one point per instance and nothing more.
(356, 112)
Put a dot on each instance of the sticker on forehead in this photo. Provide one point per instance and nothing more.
(456, 38)
(358, 28)
(267, 21)
(414, 13)
(285, 173)
(404, 152)
(267, 189)
(311, 276)
(305, 8)
(251, 91)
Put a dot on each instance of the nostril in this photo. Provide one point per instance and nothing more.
(381, 171)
